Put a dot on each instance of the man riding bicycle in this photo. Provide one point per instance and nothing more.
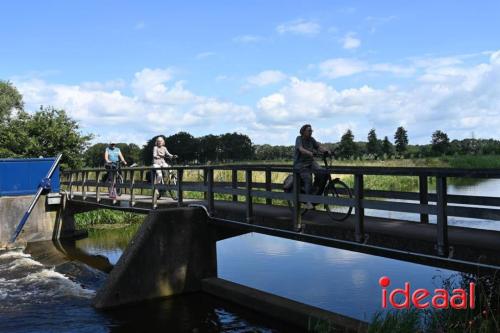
(112, 157)
(303, 159)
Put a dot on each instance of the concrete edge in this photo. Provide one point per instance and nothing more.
(299, 314)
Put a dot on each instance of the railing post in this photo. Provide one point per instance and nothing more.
(248, 185)
(142, 181)
(424, 198)
(269, 188)
(132, 183)
(84, 181)
(442, 218)
(234, 182)
(359, 228)
(180, 177)
(71, 175)
(154, 199)
(297, 217)
(98, 179)
(205, 183)
(210, 190)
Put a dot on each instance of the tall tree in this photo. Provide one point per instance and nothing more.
(401, 140)
(440, 142)
(47, 132)
(208, 148)
(347, 147)
(184, 145)
(236, 146)
(386, 146)
(373, 146)
(10, 99)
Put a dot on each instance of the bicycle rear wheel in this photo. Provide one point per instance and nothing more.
(338, 189)
(118, 183)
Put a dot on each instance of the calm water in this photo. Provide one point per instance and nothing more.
(43, 290)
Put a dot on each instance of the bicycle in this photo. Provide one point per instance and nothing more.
(333, 187)
(170, 180)
(114, 177)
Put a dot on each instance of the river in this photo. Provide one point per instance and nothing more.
(49, 287)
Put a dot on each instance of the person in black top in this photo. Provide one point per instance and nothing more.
(303, 159)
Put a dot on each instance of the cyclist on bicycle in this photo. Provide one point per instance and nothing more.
(160, 152)
(112, 157)
(303, 159)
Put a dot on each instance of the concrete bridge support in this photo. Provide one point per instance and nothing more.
(170, 254)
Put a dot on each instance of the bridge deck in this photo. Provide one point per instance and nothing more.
(407, 237)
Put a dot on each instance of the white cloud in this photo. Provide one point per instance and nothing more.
(350, 41)
(463, 98)
(338, 67)
(267, 77)
(204, 55)
(299, 27)
(247, 39)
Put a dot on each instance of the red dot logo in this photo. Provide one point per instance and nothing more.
(384, 281)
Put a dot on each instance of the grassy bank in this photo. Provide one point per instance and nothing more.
(106, 218)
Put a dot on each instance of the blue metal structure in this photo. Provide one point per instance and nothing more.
(22, 176)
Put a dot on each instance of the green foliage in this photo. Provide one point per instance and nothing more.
(440, 142)
(47, 132)
(10, 99)
(347, 147)
(106, 216)
(401, 140)
(373, 146)
(268, 152)
(387, 147)
(405, 321)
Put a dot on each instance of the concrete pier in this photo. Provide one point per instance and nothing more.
(171, 253)
(41, 225)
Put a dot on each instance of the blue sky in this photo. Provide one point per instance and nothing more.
(128, 70)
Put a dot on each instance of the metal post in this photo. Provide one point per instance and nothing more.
(442, 218)
(359, 228)
(234, 182)
(71, 175)
(154, 199)
(297, 217)
(205, 183)
(210, 190)
(424, 197)
(142, 181)
(248, 185)
(84, 181)
(132, 183)
(269, 201)
(98, 179)
(180, 176)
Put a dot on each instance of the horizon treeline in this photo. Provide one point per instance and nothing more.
(233, 147)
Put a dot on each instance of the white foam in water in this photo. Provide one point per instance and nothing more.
(26, 281)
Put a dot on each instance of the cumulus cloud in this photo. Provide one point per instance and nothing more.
(350, 41)
(460, 98)
(267, 77)
(299, 27)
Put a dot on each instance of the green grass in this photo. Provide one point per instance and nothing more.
(106, 216)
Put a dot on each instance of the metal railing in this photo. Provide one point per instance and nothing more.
(441, 204)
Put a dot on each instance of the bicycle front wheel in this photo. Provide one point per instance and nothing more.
(172, 181)
(118, 183)
(338, 189)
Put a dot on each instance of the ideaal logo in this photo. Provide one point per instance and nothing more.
(422, 298)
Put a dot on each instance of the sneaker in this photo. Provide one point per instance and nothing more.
(308, 206)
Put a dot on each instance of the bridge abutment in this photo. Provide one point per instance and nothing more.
(170, 254)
